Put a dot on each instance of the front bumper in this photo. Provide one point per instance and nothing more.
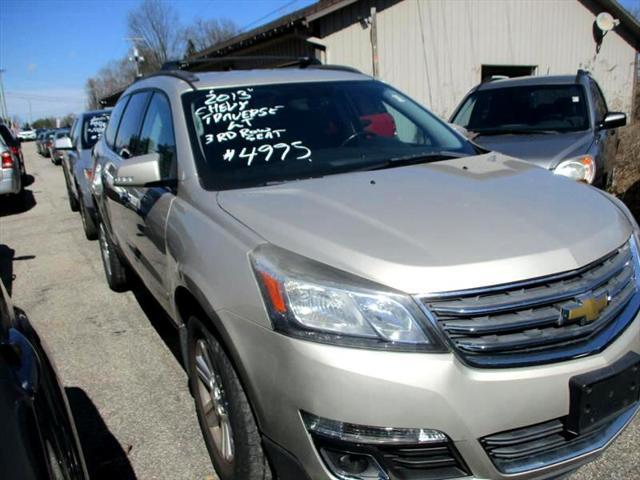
(407, 390)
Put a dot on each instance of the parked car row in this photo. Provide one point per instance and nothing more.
(358, 288)
(12, 168)
(45, 142)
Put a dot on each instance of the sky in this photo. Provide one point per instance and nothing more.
(49, 48)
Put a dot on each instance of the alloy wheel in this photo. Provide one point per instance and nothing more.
(104, 250)
(214, 404)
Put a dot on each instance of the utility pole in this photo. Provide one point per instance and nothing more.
(375, 67)
(4, 113)
(30, 114)
(135, 54)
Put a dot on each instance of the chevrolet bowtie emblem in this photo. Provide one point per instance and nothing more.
(587, 308)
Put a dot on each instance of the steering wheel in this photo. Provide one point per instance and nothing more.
(354, 135)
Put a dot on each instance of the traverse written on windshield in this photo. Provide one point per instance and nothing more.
(233, 118)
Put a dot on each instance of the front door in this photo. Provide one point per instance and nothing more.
(148, 207)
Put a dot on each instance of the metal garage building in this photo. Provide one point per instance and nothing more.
(436, 50)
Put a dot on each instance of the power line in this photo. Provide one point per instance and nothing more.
(264, 17)
(35, 96)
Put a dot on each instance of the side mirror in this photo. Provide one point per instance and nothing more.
(139, 171)
(613, 120)
(63, 143)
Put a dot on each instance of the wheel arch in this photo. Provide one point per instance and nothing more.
(189, 300)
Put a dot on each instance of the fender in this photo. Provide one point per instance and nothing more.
(218, 329)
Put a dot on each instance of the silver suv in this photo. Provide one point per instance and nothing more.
(361, 293)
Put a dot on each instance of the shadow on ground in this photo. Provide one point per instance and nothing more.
(16, 204)
(105, 457)
(7, 257)
(158, 318)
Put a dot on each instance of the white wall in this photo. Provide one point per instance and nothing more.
(434, 49)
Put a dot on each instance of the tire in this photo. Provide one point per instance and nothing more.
(88, 224)
(114, 269)
(230, 413)
(74, 205)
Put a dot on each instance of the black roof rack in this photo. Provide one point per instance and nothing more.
(232, 63)
(184, 76)
(341, 68)
(582, 73)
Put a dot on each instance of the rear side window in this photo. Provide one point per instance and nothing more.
(112, 128)
(157, 135)
(127, 140)
(75, 131)
(93, 128)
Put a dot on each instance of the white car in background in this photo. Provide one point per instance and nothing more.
(27, 134)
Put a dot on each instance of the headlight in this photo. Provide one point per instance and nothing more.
(581, 169)
(309, 300)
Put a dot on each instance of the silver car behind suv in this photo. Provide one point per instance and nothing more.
(360, 292)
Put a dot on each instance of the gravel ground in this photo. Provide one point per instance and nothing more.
(117, 353)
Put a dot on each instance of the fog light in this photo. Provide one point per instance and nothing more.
(346, 465)
(349, 432)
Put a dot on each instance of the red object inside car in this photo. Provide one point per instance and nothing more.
(381, 124)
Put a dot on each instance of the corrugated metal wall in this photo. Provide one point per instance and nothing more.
(434, 49)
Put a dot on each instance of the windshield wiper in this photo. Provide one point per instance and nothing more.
(415, 159)
(511, 131)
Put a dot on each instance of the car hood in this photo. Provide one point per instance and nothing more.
(450, 225)
(543, 150)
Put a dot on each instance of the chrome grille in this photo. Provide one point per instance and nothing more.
(532, 323)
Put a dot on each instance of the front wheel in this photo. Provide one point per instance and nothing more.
(114, 269)
(226, 420)
(73, 201)
(88, 223)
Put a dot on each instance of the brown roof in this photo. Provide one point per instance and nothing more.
(305, 15)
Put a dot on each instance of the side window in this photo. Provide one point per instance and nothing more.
(75, 131)
(157, 135)
(407, 131)
(116, 114)
(128, 138)
(463, 116)
(598, 100)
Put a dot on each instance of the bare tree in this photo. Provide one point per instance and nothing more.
(205, 33)
(114, 76)
(156, 24)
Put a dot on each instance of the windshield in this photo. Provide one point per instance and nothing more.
(258, 135)
(62, 133)
(555, 108)
(93, 128)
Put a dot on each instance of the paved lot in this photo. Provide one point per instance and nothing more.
(117, 353)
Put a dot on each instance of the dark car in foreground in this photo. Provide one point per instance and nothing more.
(39, 439)
(77, 166)
(561, 123)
